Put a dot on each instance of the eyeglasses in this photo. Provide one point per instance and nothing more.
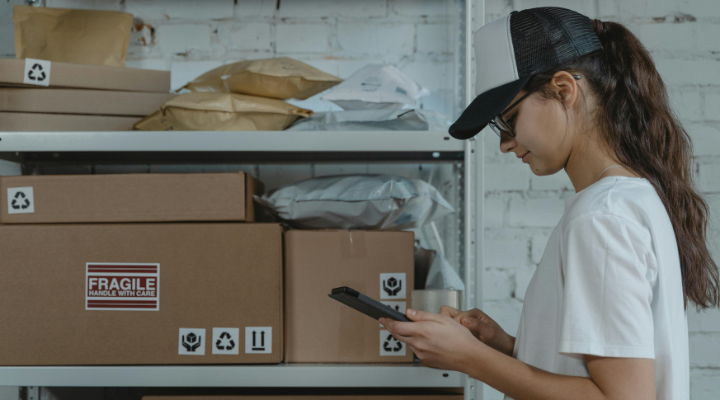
(501, 126)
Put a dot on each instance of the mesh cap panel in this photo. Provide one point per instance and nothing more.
(548, 38)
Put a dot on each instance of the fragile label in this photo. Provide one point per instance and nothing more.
(258, 339)
(389, 346)
(37, 72)
(20, 200)
(191, 342)
(122, 286)
(393, 286)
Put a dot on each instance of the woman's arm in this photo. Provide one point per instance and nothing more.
(441, 342)
(610, 378)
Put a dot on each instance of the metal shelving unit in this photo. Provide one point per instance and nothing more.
(33, 148)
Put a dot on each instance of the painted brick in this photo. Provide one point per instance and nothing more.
(158, 64)
(494, 213)
(492, 145)
(556, 181)
(585, 7)
(705, 140)
(246, 36)
(498, 7)
(434, 38)
(688, 72)
(107, 5)
(522, 281)
(302, 38)
(606, 8)
(712, 106)
(359, 38)
(174, 39)
(255, 8)
(505, 253)
(707, 321)
(704, 384)
(505, 313)
(537, 247)
(678, 36)
(506, 177)
(708, 178)
(421, 8)
(496, 285)
(182, 72)
(332, 8)
(432, 75)
(535, 212)
(687, 105)
(705, 350)
(180, 9)
(275, 176)
(660, 8)
(339, 169)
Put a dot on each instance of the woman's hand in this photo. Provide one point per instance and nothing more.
(483, 328)
(438, 340)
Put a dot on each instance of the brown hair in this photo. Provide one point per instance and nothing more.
(637, 124)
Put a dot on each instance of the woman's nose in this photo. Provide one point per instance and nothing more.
(507, 143)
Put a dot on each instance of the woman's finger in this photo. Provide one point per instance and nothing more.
(474, 313)
(424, 316)
(449, 311)
(484, 330)
(403, 328)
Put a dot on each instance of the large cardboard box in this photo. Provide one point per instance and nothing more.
(117, 294)
(15, 72)
(322, 330)
(36, 122)
(86, 102)
(127, 198)
(303, 394)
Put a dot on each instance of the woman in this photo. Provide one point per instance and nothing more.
(604, 315)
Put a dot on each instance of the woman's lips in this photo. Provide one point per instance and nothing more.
(525, 157)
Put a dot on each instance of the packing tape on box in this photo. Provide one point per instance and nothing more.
(352, 245)
(351, 346)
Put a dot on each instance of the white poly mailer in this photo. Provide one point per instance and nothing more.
(376, 86)
(358, 202)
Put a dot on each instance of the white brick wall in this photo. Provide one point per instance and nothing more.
(522, 208)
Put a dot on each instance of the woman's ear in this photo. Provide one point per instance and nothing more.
(566, 88)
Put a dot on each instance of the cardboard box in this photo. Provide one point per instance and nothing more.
(118, 294)
(127, 198)
(86, 102)
(322, 330)
(13, 72)
(303, 394)
(33, 122)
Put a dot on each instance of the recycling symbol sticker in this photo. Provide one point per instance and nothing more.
(37, 72)
(226, 341)
(393, 286)
(389, 346)
(20, 200)
(191, 342)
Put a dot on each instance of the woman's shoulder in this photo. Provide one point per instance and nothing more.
(633, 200)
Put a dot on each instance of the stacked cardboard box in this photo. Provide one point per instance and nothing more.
(37, 95)
(102, 270)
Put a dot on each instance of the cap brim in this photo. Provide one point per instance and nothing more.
(484, 108)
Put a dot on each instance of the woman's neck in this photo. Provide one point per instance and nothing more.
(588, 161)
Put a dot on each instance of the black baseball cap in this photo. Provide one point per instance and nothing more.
(511, 50)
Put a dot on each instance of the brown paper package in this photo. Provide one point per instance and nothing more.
(72, 36)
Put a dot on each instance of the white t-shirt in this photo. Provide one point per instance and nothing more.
(609, 284)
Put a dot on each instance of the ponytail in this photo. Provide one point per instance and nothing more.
(635, 121)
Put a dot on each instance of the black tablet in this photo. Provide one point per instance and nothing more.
(366, 305)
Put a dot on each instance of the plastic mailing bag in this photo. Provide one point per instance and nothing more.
(376, 86)
(374, 120)
(358, 202)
